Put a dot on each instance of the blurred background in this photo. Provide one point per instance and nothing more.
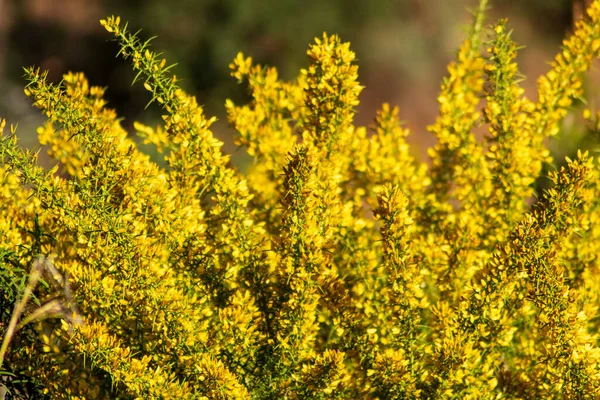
(403, 48)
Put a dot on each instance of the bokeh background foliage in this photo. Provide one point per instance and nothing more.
(403, 47)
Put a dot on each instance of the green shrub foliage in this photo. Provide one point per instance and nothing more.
(337, 267)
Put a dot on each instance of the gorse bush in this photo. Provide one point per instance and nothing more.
(338, 267)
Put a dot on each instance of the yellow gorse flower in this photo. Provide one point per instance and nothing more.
(337, 267)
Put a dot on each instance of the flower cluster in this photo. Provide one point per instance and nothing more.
(337, 267)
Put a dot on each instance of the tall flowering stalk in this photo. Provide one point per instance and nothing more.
(337, 267)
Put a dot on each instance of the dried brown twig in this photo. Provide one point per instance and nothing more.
(61, 305)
